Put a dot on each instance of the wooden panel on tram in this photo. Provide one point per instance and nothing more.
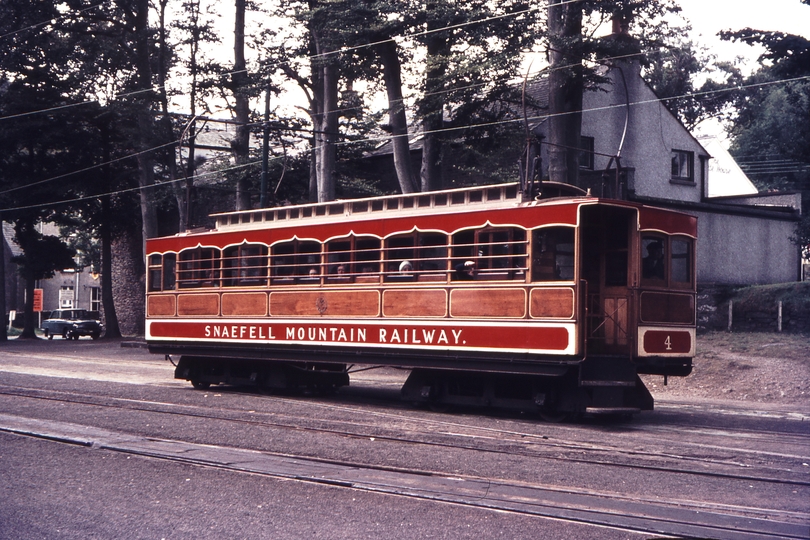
(244, 304)
(160, 305)
(552, 303)
(493, 302)
(352, 303)
(198, 304)
(415, 303)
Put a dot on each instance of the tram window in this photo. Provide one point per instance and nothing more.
(296, 262)
(199, 267)
(616, 268)
(308, 256)
(432, 257)
(244, 265)
(553, 254)
(155, 272)
(399, 255)
(653, 264)
(501, 254)
(367, 259)
(338, 261)
(169, 269)
(681, 263)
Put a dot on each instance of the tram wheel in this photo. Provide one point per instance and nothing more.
(201, 385)
(554, 416)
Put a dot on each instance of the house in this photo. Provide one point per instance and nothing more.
(68, 289)
(743, 236)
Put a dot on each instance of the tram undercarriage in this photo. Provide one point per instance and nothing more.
(600, 385)
(608, 386)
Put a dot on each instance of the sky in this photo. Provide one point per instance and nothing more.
(708, 17)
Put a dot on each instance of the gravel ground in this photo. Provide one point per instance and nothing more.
(754, 367)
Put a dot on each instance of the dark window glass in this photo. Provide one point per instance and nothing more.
(683, 166)
(553, 254)
(681, 266)
(654, 258)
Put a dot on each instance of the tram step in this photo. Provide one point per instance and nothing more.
(612, 410)
(600, 382)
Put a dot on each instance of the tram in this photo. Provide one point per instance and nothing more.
(554, 303)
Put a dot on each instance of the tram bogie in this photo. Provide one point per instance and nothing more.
(554, 305)
(202, 372)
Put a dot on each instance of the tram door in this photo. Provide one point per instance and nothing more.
(605, 261)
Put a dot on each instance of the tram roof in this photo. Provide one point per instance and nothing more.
(562, 200)
(474, 198)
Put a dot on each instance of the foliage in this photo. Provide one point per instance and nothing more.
(770, 132)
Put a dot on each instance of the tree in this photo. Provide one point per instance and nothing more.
(571, 42)
(770, 130)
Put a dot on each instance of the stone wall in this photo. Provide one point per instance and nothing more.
(754, 309)
(128, 284)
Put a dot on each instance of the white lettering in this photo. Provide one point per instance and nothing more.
(413, 336)
(382, 335)
(456, 335)
(312, 333)
(290, 333)
(301, 334)
(361, 334)
(342, 335)
(242, 330)
(395, 336)
(443, 337)
(427, 335)
(208, 330)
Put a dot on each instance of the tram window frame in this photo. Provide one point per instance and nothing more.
(155, 273)
(416, 256)
(359, 256)
(367, 259)
(292, 260)
(245, 265)
(502, 253)
(553, 254)
(169, 271)
(680, 264)
(650, 273)
(499, 253)
(198, 267)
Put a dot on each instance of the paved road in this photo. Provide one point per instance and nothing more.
(98, 441)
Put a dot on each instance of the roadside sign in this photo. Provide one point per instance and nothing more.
(37, 300)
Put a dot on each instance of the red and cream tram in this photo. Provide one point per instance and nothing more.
(556, 303)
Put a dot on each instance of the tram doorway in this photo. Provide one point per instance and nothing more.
(606, 261)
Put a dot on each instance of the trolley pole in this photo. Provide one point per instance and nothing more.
(265, 147)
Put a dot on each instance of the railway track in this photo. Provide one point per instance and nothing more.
(415, 429)
(681, 518)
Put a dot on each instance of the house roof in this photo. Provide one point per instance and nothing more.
(8, 237)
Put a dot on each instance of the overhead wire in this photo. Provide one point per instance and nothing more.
(368, 139)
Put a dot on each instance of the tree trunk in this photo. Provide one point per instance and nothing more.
(146, 177)
(396, 116)
(240, 145)
(565, 91)
(3, 306)
(433, 112)
(111, 328)
(327, 127)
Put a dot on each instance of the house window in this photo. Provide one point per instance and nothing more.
(683, 166)
(95, 299)
(586, 153)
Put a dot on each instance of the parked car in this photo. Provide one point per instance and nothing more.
(71, 324)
